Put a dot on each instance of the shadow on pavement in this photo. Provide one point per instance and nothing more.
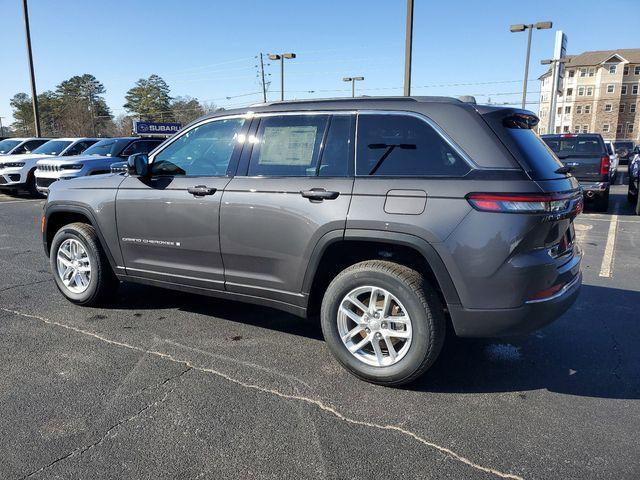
(590, 351)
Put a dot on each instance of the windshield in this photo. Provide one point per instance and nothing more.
(7, 145)
(53, 147)
(105, 148)
(575, 146)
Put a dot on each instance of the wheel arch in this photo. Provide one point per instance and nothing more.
(57, 216)
(333, 253)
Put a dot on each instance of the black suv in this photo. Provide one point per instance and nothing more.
(392, 218)
(585, 155)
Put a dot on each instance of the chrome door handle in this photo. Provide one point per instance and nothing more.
(201, 190)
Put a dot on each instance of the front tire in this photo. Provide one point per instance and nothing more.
(79, 265)
(383, 322)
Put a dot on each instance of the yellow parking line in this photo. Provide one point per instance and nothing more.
(607, 259)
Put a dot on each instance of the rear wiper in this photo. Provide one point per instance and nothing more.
(564, 169)
(389, 148)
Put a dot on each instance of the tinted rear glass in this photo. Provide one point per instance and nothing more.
(530, 148)
(575, 146)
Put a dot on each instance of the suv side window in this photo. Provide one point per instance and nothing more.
(288, 145)
(202, 151)
(140, 146)
(336, 154)
(29, 146)
(79, 147)
(405, 146)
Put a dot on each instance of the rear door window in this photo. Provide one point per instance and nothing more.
(288, 145)
(404, 146)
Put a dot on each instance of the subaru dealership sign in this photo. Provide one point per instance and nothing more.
(155, 128)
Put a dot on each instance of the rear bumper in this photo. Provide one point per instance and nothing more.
(594, 186)
(531, 316)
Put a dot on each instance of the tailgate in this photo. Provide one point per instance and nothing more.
(585, 168)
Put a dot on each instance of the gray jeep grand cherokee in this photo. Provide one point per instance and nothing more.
(393, 218)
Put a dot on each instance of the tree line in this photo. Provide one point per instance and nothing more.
(77, 108)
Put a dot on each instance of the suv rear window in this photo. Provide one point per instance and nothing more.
(404, 146)
(575, 146)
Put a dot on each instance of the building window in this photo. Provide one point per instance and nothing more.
(608, 107)
(634, 90)
(572, 73)
(622, 107)
(636, 70)
(630, 128)
(567, 109)
(632, 108)
(592, 72)
(585, 128)
(623, 90)
(565, 129)
(611, 88)
(612, 69)
(619, 129)
(580, 91)
(576, 129)
(557, 129)
(569, 92)
(605, 128)
(579, 109)
(559, 110)
(587, 109)
(589, 91)
(583, 72)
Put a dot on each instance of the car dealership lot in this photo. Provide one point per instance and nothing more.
(169, 385)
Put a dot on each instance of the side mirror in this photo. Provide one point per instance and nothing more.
(138, 165)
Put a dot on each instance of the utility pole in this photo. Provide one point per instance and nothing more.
(408, 48)
(34, 95)
(264, 85)
(1, 127)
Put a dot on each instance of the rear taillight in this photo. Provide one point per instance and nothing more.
(525, 202)
(605, 164)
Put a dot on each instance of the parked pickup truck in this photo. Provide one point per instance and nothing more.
(585, 156)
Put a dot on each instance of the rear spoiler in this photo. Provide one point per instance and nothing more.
(508, 117)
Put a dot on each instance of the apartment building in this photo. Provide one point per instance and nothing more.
(599, 93)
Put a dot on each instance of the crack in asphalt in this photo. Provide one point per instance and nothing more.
(311, 401)
(10, 287)
(81, 450)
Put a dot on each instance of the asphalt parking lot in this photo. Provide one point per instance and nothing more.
(170, 385)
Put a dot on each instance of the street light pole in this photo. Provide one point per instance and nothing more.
(521, 27)
(34, 96)
(281, 57)
(353, 81)
(408, 49)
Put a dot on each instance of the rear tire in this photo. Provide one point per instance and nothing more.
(637, 209)
(81, 288)
(423, 331)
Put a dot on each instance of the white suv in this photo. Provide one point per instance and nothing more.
(17, 171)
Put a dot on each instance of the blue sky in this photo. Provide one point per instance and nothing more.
(206, 49)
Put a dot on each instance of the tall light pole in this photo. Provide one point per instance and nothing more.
(554, 90)
(408, 47)
(281, 57)
(34, 96)
(521, 27)
(353, 81)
